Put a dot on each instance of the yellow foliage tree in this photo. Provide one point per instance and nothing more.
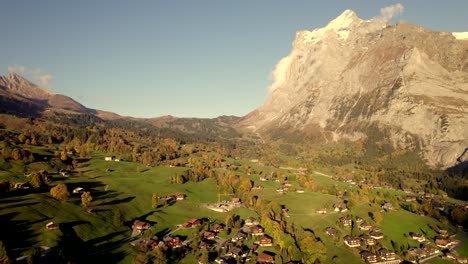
(60, 192)
(86, 199)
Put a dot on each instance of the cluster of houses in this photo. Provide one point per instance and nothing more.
(225, 206)
(233, 248)
(383, 255)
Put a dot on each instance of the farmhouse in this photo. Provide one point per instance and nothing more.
(208, 235)
(388, 206)
(359, 219)
(386, 254)
(418, 237)
(331, 231)
(340, 207)
(376, 235)
(257, 230)
(351, 241)
(237, 252)
(264, 258)
(265, 241)
(217, 228)
(322, 211)
(21, 185)
(52, 226)
(78, 190)
(250, 221)
(141, 225)
(171, 242)
(430, 250)
(416, 253)
(368, 256)
(109, 158)
(346, 220)
(365, 226)
(191, 223)
(443, 242)
(367, 240)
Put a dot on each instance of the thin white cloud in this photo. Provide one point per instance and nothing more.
(387, 13)
(280, 73)
(37, 75)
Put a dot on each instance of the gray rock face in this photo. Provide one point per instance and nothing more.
(354, 74)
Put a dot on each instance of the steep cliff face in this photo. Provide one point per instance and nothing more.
(343, 79)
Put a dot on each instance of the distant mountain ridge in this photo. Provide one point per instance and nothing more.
(355, 77)
(15, 88)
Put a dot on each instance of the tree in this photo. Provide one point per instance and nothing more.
(36, 180)
(154, 201)
(377, 217)
(63, 156)
(60, 192)
(4, 258)
(86, 199)
(229, 221)
(458, 215)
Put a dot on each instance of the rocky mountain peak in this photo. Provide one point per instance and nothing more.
(353, 74)
(20, 86)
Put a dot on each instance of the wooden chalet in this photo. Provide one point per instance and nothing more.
(322, 211)
(52, 226)
(217, 228)
(331, 231)
(346, 221)
(365, 226)
(386, 254)
(265, 241)
(172, 242)
(418, 237)
(367, 240)
(368, 257)
(264, 258)
(376, 235)
(256, 230)
(351, 241)
(140, 225)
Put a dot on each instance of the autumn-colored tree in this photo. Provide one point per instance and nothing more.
(377, 217)
(458, 215)
(60, 192)
(37, 180)
(154, 201)
(16, 154)
(86, 199)
(4, 258)
(63, 156)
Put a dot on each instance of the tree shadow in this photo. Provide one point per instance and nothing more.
(17, 233)
(163, 233)
(119, 201)
(16, 205)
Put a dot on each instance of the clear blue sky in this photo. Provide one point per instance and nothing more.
(183, 58)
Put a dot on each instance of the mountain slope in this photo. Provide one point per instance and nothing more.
(16, 89)
(353, 76)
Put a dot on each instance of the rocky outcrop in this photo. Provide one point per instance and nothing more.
(354, 74)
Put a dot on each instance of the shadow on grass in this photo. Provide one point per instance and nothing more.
(16, 205)
(17, 233)
(163, 232)
(119, 201)
(13, 200)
